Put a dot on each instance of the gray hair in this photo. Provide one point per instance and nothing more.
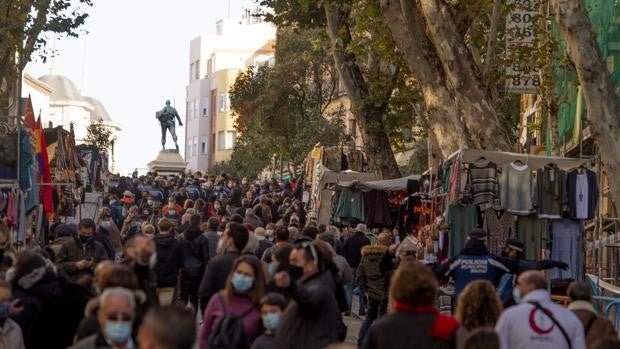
(117, 292)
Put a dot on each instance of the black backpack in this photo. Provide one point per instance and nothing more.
(193, 265)
(229, 333)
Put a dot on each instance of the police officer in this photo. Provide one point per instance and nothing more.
(475, 262)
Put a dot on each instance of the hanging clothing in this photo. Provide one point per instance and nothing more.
(516, 189)
(500, 226)
(461, 220)
(455, 183)
(351, 206)
(566, 247)
(443, 246)
(378, 208)
(534, 233)
(582, 194)
(482, 182)
(550, 192)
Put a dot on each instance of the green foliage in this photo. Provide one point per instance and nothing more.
(25, 27)
(100, 135)
(284, 109)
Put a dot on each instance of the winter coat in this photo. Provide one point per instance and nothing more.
(169, 260)
(195, 247)
(309, 321)
(599, 326)
(236, 306)
(74, 251)
(369, 276)
(50, 299)
(263, 245)
(11, 335)
(215, 276)
(412, 330)
(253, 220)
(353, 248)
(212, 239)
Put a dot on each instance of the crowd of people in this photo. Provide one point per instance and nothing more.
(180, 262)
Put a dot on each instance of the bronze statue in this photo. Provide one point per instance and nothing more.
(166, 120)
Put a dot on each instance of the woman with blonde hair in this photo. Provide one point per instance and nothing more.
(477, 306)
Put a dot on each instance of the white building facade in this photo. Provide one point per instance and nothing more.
(214, 63)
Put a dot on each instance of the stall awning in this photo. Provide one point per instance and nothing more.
(397, 184)
(504, 158)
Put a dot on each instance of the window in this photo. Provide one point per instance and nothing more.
(203, 144)
(189, 110)
(197, 68)
(196, 108)
(191, 72)
(222, 102)
(231, 138)
(221, 140)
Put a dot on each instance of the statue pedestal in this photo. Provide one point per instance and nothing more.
(168, 161)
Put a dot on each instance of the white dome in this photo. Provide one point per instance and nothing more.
(99, 111)
(64, 90)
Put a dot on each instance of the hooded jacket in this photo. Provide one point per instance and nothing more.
(169, 260)
(369, 276)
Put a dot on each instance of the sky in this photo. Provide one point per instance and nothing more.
(134, 56)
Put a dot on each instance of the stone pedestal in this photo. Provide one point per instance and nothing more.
(168, 161)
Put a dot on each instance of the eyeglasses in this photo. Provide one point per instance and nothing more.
(120, 317)
(308, 245)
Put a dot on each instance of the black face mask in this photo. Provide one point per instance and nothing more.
(84, 239)
(295, 272)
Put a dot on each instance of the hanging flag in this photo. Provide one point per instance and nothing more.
(44, 170)
(29, 115)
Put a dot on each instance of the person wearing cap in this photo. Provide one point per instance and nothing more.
(475, 262)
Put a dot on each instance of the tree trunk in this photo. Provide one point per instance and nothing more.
(462, 79)
(369, 115)
(603, 110)
(442, 113)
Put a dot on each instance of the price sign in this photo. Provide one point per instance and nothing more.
(522, 76)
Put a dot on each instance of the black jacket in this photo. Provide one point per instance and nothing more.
(309, 322)
(215, 276)
(353, 248)
(53, 309)
(169, 260)
(262, 246)
(405, 330)
(195, 248)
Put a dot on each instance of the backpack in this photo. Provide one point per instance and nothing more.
(193, 266)
(229, 333)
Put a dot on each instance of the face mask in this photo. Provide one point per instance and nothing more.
(516, 295)
(172, 212)
(105, 224)
(272, 269)
(271, 321)
(117, 332)
(242, 283)
(5, 310)
(295, 272)
(84, 239)
(149, 202)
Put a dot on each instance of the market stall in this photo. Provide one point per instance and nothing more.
(541, 200)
